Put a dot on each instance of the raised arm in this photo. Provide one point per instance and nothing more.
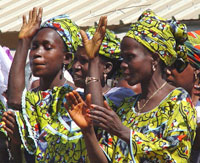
(16, 82)
(93, 83)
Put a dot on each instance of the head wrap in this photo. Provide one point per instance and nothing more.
(68, 30)
(110, 46)
(193, 46)
(160, 36)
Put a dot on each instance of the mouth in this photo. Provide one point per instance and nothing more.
(171, 82)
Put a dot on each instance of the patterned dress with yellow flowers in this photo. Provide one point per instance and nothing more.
(164, 134)
(47, 131)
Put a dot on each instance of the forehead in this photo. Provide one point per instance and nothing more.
(48, 34)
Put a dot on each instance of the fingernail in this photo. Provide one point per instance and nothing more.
(88, 111)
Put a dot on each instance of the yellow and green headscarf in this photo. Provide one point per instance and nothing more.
(110, 46)
(68, 30)
(161, 36)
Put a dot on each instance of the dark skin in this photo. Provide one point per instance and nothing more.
(80, 68)
(47, 55)
(135, 56)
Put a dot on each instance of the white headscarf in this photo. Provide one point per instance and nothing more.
(5, 64)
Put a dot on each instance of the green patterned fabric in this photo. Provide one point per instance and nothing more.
(47, 130)
(165, 37)
(2, 110)
(164, 134)
(68, 30)
(193, 46)
(110, 46)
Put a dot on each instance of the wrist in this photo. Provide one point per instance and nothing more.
(124, 134)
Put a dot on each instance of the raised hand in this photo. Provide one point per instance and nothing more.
(78, 109)
(29, 28)
(92, 46)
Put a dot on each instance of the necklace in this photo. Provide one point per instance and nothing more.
(138, 103)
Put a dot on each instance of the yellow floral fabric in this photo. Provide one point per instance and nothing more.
(47, 130)
(164, 134)
(2, 110)
(161, 36)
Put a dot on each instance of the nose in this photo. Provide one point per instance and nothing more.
(36, 53)
(124, 65)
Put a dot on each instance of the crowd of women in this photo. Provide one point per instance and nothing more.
(100, 116)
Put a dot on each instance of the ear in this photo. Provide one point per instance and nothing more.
(68, 56)
(107, 67)
(155, 59)
(197, 73)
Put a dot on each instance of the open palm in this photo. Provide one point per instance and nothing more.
(29, 28)
(92, 46)
(78, 109)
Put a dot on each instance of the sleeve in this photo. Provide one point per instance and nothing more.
(28, 133)
(176, 135)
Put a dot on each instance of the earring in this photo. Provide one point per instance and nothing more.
(195, 76)
(63, 70)
(105, 77)
(153, 68)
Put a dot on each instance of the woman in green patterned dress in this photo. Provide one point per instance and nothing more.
(157, 125)
(46, 129)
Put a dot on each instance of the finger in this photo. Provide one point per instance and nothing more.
(88, 99)
(30, 16)
(67, 96)
(106, 105)
(98, 120)
(77, 96)
(9, 131)
(24, 20)
(39, 16)
(100, 109)
(84, 37)
(34, 17)
(73, 98)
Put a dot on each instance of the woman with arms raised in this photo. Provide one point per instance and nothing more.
(157, 125)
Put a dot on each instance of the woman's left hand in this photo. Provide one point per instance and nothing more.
(107, 119)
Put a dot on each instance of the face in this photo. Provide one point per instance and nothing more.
(47, 53)
(80, 67)
(137, 61)
(184, 79)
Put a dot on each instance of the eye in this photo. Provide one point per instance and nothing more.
(48, 47)
(34, 46)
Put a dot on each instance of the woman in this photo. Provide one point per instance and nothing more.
(109, 66)
(189, 80)
(46, 129)
(157, 125)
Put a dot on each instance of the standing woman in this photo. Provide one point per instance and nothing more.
(46, 129)
(157, 125)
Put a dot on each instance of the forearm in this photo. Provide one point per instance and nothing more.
(95, 153)
(95, 88)
(16, 81)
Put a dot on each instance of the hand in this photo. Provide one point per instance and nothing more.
(11, 126)
(29, 28)
(92, 46)
(78, 109)
(107, 119)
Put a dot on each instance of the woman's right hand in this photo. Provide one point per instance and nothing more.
(29, 28)
(78, 109)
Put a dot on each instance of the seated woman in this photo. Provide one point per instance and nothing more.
(189, 80)
(157, 125)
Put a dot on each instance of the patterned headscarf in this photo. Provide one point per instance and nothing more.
(110, 46)
(68, 30)
(193, 46)
(160, 36)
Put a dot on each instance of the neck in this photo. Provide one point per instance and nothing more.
(49, 82)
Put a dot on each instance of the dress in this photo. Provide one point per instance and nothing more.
(47, 130)
(164, 134)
